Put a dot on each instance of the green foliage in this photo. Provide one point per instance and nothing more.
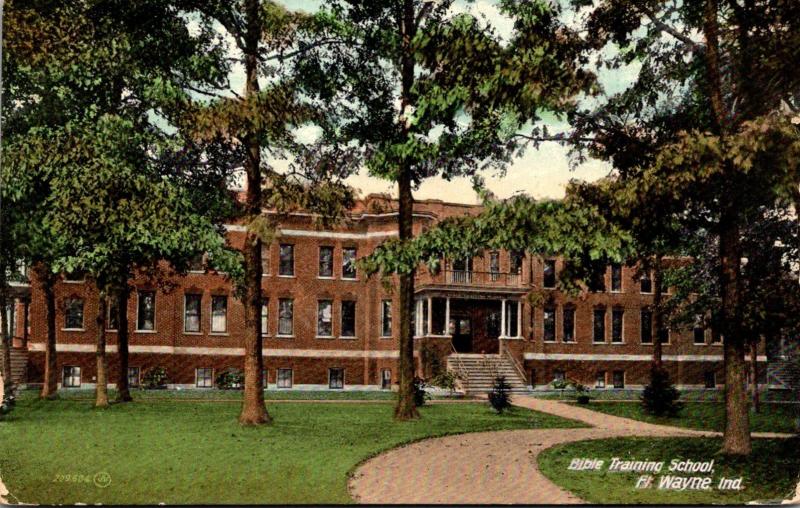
(420, 394)
(500, 395)
(445, 379)
(660, 397)
(230, 379)
(155, 378)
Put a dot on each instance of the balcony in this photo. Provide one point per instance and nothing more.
(454, 279)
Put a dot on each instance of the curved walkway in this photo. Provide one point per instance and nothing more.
(492, 467)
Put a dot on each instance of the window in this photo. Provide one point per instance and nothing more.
(386, 379)
(146, 311)
(549, 324)
(619, 379)
(133, 377)
(515, 261)
(559, 375)
(646, 322)
(616, 278)
(600, 379)
(597, 283)
(599, 325)
(646, 283)
(265, 316)
(325, 318)
(511, 319)
(285, 378)
(569, 324)
(494, 265)
(533, 378)
(349, 262)
(549, 273)
(71, 377)
(204, 377)
(617, 320)
(285, 317)
(286, 260)
(265, 378)
(191, 313)
(112, 317)
(219, 313)
(196, 263)
(73, 317)
(716, 337)
(710, 379)
(265, 259)
(335, 379)
(348, 318)
(386, 318)
(493, 323)
(326, 261)
(699, 331)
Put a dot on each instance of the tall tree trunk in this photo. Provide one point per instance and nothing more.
(123, 390)
(101, 387)
(26, 318)
(254, 411)
(754, 376)
(658, 316)
(50, 384)
(736, 438)
(406, 408)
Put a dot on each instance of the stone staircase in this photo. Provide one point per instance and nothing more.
(478, 372)
(19, 364)
(783, 374)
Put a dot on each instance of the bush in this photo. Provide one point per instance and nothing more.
(445, 380)
(155, 379)
(230, 379)
(500, 396)
(420, 395)
(660, 397)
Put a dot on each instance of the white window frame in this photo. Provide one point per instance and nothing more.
(383, 318)
(330, 378)
(264, 318)
(291, 306)
(224, 331)
(197, 377)
(155, 311)
(71, 377)
(280, 264)
(600, 383)
(199, 314)
(319, 263)
(614, 384)
(344, 263)
(278, 378)
(320, 302)
(83, 314)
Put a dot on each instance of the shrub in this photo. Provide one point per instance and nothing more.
(500, 396)
(155, 379)
(7, 404)
(660, 397)
(581, 392)
(445, 380)
(420, 395)
(230, 379)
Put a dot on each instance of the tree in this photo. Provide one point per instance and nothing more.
(426, 91)
(709, 111)
(83, 134)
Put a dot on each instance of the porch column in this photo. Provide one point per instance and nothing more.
(417, 317)
(503, 325)
(447, 317)
(430, 316)
(519, 318)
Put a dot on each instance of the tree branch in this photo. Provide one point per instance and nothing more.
(670, 30)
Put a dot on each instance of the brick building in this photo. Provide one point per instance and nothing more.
(327, 326)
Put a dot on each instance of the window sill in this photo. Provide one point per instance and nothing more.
(348, 337)
(111, 330)
(350, 279)
(571, 342)
(325, 337)
(145, 331)
(385, 337)
(284, 336)
(73, 329)
(286, 276)
(74, 281)
(549, 342)
(617, 343)
(598, 343)
(220, 334)
(326, 277)
(196, 271)
(192, 333)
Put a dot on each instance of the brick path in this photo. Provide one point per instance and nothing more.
(492, 467)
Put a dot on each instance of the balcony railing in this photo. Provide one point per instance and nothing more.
(483, 279)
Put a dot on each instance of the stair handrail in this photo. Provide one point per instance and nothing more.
(515, 363)
(462, 370)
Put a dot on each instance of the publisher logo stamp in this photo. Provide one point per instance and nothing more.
(102, 480)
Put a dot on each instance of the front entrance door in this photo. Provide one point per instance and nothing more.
(461, 329)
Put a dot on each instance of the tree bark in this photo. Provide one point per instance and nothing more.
(736, 438)
(5, 330)
(254, 411)
(658, 317)
(26, 317)
(754, 376)
(406, 408)
(123, 390)
(101, 387)
(50, 385)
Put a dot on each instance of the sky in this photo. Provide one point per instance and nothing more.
(541, 173)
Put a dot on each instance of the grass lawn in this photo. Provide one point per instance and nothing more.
(196, 453)
(634, 395)
(708, 415)
(771, 473)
